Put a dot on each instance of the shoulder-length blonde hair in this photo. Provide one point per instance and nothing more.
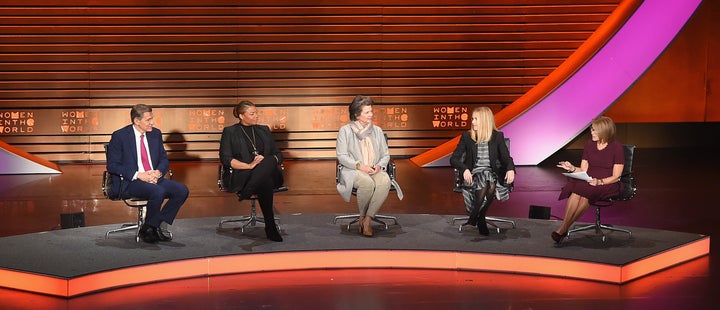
(486, 124)
(604, 128)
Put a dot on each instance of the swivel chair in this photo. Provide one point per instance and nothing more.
(134, 202)
(391, 169)
(490, 220)
(628, 190)
(253, 218)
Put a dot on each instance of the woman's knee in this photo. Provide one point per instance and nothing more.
(364, 181)
(382, 181)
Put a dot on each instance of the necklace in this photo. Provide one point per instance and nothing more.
(254, 152)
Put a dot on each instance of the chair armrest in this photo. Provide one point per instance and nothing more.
(107, 184)
(221, 174)
(458, 181)
(391, 170)
(338, 170)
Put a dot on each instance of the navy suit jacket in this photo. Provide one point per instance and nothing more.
(122, 158)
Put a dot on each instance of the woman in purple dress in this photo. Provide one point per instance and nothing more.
(603, 160)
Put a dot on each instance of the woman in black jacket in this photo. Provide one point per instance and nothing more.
(483, 159)
(251, 152)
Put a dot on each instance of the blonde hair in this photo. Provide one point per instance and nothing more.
(486, 124)
(604, 128)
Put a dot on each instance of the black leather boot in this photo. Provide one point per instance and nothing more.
(481, 224)
(477, 206)
(271, 231)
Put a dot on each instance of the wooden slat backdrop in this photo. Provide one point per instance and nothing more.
(61, 58)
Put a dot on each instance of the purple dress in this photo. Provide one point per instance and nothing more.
(600, 165)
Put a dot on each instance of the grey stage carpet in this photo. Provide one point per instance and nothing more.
(70, 253)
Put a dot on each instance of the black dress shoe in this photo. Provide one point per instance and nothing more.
(272, 233)
(557, 237)
(148, 234)
(163, 235)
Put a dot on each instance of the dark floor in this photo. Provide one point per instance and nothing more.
(677, 189)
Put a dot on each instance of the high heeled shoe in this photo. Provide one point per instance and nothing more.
(558, 237)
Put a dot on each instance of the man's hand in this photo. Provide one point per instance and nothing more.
(149, 176)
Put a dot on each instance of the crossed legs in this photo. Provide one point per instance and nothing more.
(576, 207)
(480, 205)
(261, 183)
(372, 191)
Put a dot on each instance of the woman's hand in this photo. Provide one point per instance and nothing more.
(509, 176)
(595, 182)
(256, 161)
(467, 176)
(567, 166)
(370, 170)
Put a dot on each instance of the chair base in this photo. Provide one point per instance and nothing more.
(130, 226)
(377, 219)
(490, 220)
(126, 227)
(249, 220)
(598, 227)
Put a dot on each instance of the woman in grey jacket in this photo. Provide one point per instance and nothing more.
(363, 153)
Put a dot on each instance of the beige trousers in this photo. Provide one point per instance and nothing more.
(372, 190)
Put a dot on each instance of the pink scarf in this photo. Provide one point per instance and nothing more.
(366, 147)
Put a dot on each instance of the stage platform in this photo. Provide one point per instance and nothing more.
(74, 262)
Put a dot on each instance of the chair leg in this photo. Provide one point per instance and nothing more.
(378, 217)
(345, 217)
(490, 220)
(128, 226)
(249, 220)
(355, 217)
(462, 218)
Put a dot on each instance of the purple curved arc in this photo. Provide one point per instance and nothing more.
(566, 112)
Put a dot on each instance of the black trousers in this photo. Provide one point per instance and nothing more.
(262, 184)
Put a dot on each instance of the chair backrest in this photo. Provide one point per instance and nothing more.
(628, 181)
(107, 181)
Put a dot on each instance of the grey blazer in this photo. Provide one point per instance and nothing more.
(348, 154)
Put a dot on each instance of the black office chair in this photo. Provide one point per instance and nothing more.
(628, 190)
(490, 220)
(391, 170)
(253, 218)
(134, 202)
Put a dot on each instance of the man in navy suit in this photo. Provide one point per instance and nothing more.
(137, 154)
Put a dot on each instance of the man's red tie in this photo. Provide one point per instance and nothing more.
(143, 154)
